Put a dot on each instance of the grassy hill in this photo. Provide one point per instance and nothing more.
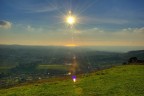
(125, 80)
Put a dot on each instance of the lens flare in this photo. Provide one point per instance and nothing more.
(74, 78)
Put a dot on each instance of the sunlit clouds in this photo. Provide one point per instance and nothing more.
(122, 37)
(29, 28)
(62, 37)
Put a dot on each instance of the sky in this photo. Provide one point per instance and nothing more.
(98, 22)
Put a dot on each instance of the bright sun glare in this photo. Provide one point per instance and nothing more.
(70, 20)
(71, 45)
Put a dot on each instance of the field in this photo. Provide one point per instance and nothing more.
(5, 68)
(54, 67)
(117, 81)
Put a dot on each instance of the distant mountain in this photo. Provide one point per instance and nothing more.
(138, 53)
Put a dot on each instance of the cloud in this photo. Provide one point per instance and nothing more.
(44, 9)
(33, 29)
(29, 28)
(38, 8)
(5, 24)
(32, 6)
(129, 36)
(134, 30)
(100, 20)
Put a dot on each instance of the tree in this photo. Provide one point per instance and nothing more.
(132, 60)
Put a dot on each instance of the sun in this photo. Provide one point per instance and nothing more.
(70, 20)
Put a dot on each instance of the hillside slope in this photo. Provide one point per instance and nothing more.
(117, 81)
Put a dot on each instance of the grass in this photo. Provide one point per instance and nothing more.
(117, 81)
(5, 68)
(54, 67)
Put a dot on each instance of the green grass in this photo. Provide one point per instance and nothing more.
(5, 68)
(54, 67)
(125, 80)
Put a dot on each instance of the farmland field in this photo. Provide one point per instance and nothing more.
(54, 67)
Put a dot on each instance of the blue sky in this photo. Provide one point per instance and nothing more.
(98, 22)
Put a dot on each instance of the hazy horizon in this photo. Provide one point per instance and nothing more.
(96, 48)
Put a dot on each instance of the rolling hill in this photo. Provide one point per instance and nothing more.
(126, 80)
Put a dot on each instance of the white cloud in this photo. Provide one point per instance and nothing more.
(38, 8)
(33, 29)
(133, 35)
(28, 6)
(29, 28)
(111, 21)
(100, 20)
(134, 30)
(45, 9)
(5, 24)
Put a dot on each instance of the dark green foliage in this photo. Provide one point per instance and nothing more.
(132, 60)
(30, 67)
